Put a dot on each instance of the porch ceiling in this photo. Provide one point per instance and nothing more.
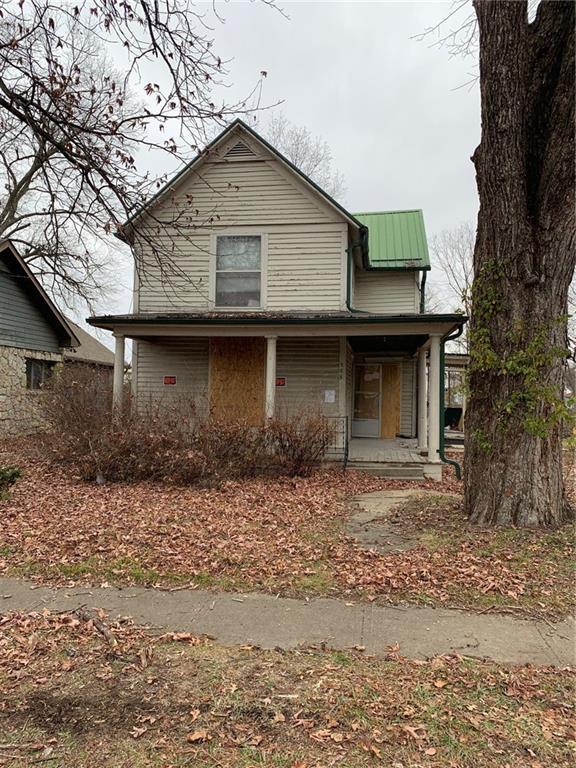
(386, 345)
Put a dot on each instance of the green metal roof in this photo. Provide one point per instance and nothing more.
(396, 239)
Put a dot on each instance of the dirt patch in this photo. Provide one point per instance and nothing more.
(94, 710)
(384, 521)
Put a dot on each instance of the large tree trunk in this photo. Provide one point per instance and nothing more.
(523, 263)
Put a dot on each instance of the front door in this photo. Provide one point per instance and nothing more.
(367, 390)
(376, 400)
(390, 413)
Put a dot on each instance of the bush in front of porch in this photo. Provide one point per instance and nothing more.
(171, 441)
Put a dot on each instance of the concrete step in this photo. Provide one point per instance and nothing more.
(393, 471)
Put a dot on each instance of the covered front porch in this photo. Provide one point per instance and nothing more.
(377, 376)
(389, 450)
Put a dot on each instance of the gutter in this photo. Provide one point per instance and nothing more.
(423, 292)
(416, 319)
(363, 245)
(441, 451)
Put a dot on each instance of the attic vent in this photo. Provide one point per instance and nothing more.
(239, 150)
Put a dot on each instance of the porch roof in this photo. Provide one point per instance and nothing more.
(338, 323)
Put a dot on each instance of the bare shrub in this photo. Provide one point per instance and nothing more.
(300, 442)
(156, 442)
(233, 448)
(169, 441)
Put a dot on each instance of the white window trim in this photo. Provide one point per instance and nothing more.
(263, 268)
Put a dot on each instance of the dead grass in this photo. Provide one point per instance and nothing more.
(540, 564)
(285, 536)
(71, 700)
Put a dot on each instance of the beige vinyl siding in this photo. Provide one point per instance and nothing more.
(393, 293)
(187, 359)
(305, 264)
(311, 366)
(182, 284)
(349, 386)
(245, 192)
(407, 412)
(304, 267)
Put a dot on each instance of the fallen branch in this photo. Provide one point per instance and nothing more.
(30, 745)
(98, 624)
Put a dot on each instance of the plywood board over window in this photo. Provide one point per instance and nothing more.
(390, 421)
(237, 379)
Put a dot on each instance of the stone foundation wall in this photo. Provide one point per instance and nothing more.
(19, 407)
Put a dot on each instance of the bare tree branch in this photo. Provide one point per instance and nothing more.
(311, 154)
(76, 130)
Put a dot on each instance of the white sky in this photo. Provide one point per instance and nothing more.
(396, 112)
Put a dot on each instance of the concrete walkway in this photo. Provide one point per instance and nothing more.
(279, 622)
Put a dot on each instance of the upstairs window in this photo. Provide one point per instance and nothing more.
(38, 372)
(238, 270)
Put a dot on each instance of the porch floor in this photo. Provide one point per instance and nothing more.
(393, 451)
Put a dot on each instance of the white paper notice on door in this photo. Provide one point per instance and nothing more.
(329, 395)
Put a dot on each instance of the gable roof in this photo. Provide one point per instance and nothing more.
(63, 330)
(397, 239)
(240, 125)
(89, 349)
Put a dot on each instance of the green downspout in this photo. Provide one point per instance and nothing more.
(441, 452)
(423, 292)
(363, 245)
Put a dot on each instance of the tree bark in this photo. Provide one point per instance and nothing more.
(524, 260)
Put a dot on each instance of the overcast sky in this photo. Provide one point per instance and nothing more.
(397, 113)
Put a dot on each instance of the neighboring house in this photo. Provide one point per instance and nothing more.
(34, 338)
(89, 352)
(455, 394)
(284, 301)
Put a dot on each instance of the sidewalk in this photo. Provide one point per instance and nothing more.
(259, 619)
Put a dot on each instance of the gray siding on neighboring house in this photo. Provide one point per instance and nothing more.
(22, 322)
(394, 293)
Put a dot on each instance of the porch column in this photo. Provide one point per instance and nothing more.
(270, 376)
(434, 399)
(118, 383)
(422, 402)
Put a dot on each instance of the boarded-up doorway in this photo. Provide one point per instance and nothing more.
(237, 379)
(390, 415)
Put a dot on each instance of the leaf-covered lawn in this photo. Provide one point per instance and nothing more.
(279, 535)
(69, 698)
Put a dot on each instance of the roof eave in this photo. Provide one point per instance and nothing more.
(109, 320)
(46, 300)
(206, 151)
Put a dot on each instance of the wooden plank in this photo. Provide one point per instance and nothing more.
(238, 378)
(390, 408)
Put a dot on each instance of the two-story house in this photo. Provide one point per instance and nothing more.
(257, 294)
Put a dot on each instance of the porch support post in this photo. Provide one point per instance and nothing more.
(434, 399)
(118, 382)
(270, 376)
(422, 402)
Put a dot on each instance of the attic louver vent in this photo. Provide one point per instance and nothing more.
(239, 150)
